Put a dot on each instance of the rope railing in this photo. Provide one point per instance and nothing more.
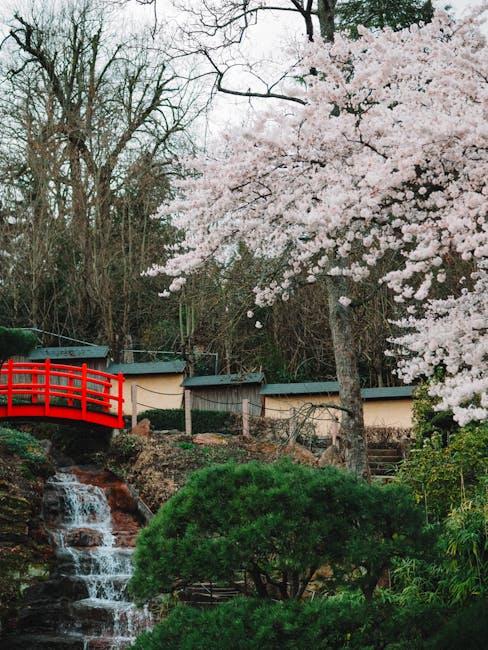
(298, 420)
(157, 392)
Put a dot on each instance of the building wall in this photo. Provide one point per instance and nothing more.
(227, 398)
(278, 406)
(377, 413)
(389, 413)
(169, 384)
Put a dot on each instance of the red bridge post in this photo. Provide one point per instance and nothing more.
(47, 385)
(10, 381)
(83, 390)
(120, 404)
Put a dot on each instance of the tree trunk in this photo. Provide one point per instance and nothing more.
(352, 423)
(326, 14)
(340, 322)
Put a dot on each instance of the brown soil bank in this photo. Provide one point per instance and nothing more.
(158, 465)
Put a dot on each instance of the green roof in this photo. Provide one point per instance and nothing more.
(70, 352)
(387, 392)
(148, 368)
(322, 387)
(302, 388)
(224, 380)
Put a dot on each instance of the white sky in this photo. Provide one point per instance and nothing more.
(264, 42)
(228, 111)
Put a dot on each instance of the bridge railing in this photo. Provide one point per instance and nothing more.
(54, 385)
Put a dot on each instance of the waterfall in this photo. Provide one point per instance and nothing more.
(88, 555)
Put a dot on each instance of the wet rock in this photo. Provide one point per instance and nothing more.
(44, 617)
(120, 498)
(55, 589)
(53, 505)
(125, 529)
(43, 642)
(46, 445)
(83, 537)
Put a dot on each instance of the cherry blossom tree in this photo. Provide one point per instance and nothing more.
(386, 156)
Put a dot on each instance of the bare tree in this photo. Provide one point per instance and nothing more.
(97, 119)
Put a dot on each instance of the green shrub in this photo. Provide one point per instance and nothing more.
(344, 621)
(15, 341)
(202, 421)
(186, 445)
(465, 544)
(440, 476)
(279, 523)
(466, 630)
(124, 447)
(24, 445)
(428, 422)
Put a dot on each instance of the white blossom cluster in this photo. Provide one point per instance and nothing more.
(388, 156)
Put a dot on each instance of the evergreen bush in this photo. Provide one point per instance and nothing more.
(279, 523)
(344, 621)
(202, 421)
(15, 341)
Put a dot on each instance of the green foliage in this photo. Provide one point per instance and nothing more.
(279, 523)
(125, 447)
(440, 477)
(25, 446)
(202, 421)
(344, 621)
(186, 445)
(428, 422)
(467, 629)
(465, 543)
(381, 13)
(15, 341)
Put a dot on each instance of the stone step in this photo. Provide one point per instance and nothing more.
(65, 642)
(104, 618)
(81, 562)
(382, 469)
(43, 642)
(383, 462)
(108, 643)
(64, 587)
(385, 453)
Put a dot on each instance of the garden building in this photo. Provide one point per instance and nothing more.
(95, 356)
(389, 407)
(226, 392)
(158, 384)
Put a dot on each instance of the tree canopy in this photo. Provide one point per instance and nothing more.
(278, 523)
(15, 341)
(384, 158)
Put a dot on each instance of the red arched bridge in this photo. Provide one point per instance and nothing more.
(52, 390)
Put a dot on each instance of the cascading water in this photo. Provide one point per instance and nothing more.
(86, 546)
(92, 518)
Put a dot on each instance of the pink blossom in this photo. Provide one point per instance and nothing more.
(399, 166)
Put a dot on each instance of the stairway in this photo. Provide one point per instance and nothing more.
(384, 461)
